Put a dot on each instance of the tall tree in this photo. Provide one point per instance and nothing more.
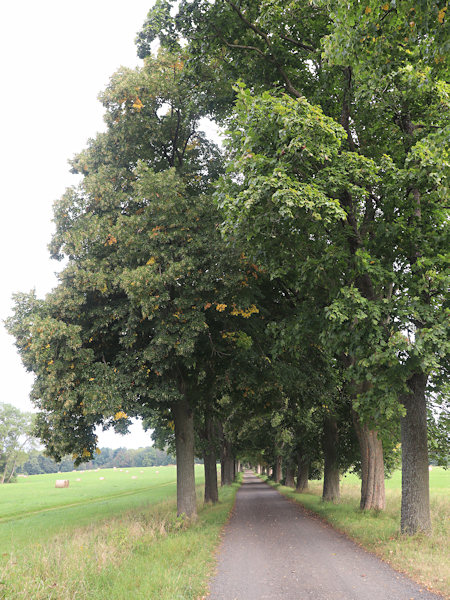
(138, 313)
(398, 59)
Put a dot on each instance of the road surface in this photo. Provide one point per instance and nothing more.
(273, 550)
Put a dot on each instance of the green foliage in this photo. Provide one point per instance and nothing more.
(15, 439)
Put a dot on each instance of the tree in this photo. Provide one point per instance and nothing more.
(139, 310)
(396, 57)
(15, 439)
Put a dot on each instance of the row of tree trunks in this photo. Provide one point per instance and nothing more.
(227, 463)
(184, 443)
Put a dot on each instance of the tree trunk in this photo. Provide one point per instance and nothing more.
(184, 443)
(372, 467)
(331, 467)
(415, 515)
(289, 481)
(302, 472)
(227, 463)
(210, 463)
(4, 472)
(278, 469)
(11, 475)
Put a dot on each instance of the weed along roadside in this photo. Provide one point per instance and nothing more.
(423, 557)
(143, 551)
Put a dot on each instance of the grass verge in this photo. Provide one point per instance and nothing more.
(144, 553)
(423, 557)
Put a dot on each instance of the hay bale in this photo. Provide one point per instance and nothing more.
(101, 478)
(61, 483)
(133, 477)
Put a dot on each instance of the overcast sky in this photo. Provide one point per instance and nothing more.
(56, 56)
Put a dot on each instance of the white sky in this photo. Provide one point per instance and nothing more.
(55, 57)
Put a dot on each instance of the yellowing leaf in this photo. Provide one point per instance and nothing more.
(137, 104)
(368, 10)
(151, 261)
(110, 240)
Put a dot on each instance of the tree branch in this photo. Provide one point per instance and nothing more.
(290, 87)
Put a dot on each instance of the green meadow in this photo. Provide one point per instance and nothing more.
(33, 509)
(117, 537)
(424, 557)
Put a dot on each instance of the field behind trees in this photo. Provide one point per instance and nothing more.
(105, 538)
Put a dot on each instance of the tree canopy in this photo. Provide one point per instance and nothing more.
(285, 294)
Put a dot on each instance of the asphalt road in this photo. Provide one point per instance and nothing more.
(273, 550)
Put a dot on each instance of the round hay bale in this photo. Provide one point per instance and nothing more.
(61, 483)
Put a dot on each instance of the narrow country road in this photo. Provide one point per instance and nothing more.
(272, 550)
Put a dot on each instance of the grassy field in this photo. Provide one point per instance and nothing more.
(113, 538)
(424, 558)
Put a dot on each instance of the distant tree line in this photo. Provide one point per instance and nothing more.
(38, 462)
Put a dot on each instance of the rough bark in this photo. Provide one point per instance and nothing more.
(277, 472)
(289, 481)
(372, 467)
(331, 492)
(210, 463)
(227, 463)
(302, 472)
(415, 512)
(184, 443)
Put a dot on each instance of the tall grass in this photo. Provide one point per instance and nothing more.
(143, 553)
(425, 558)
